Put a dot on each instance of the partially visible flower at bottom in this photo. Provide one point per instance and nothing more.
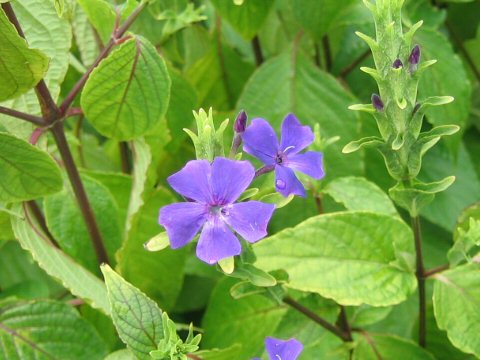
(278, 349)
(211, 191)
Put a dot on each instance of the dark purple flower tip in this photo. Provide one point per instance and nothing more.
(416, 107)
(240, 122)
(397, 64)
(414, 57)
(377, 102)
(212, 190)
(283, 349)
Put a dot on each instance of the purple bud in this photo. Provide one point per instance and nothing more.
(414, 57)
(397, 64)
(240, 122)
(377, 102)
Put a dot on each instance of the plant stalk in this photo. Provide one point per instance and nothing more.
(257, 51)
(421, 281)
(319, 320)
(35, 120)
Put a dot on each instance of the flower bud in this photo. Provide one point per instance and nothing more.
(377, 102)
(397, 64)
(414, 58)
(240, 122)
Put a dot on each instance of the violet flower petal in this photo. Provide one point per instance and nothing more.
(182, 221)
(193, 181)
(295, 136)
(229, 179)
(286, 182)
(309, 163)
(283, 349)
(217, 242)
(250, 219)
(260, 141)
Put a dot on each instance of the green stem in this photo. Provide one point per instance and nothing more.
(319, 320)
(421, 281)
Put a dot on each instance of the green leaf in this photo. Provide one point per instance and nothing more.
(128, 92)
(320, 16)
(142, 158)
(123, 354)
(158, 274)
(456, 300)
(232, 352)
(366, 315)
(21, 67)
(247, 18)
(27, 172)
(84, 37)
(357, 193)
(46, 330)
(370, 141)
(348, 257)
(281, 86)
(448, 205)
(447, 77)
(101, 15)
(50, 34)
(66, 223)
(74, 277)
(245, 321)
(137, 318)
(373, 347)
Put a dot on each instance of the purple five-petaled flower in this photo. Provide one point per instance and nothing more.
(283, 349)
(211, 191)
(259, 140)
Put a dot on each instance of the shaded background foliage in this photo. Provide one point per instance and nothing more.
(268, 57)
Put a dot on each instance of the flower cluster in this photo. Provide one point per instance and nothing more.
(211, 190)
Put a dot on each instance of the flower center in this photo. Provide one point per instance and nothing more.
(280, 158)
(216, 210)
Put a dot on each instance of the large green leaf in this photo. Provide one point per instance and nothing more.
(374, 347)
(246, 18)
(357, 193)
(27, 172)
(74, 277)
(320, 16)
(353, 257)
(50, 34)
(46, 330)
(245, 321)
(21, 68)
(283, 85)
(128, 93)
(158, 274)
(66, 223)
(447, 77)
(456, 300)
(137, 318)
(84, 37)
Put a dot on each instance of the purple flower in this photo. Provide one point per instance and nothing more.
(260, 141)
(212, 190)
(283, 349)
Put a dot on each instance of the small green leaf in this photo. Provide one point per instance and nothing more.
(363, 107)
(277, 199)
(366, 142)
(21, 68)
(101, 15)
(344, 256)
(47, 330)
(357, 193)
(158, 242)
(137, 318)
(127, 94)
(456, 300)
(27, 172)
(74, 277)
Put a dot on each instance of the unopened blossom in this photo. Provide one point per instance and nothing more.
(414, 58)
(397, 64)
(377, 102)
(260, 141)
(211, 191)
(278, 349)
